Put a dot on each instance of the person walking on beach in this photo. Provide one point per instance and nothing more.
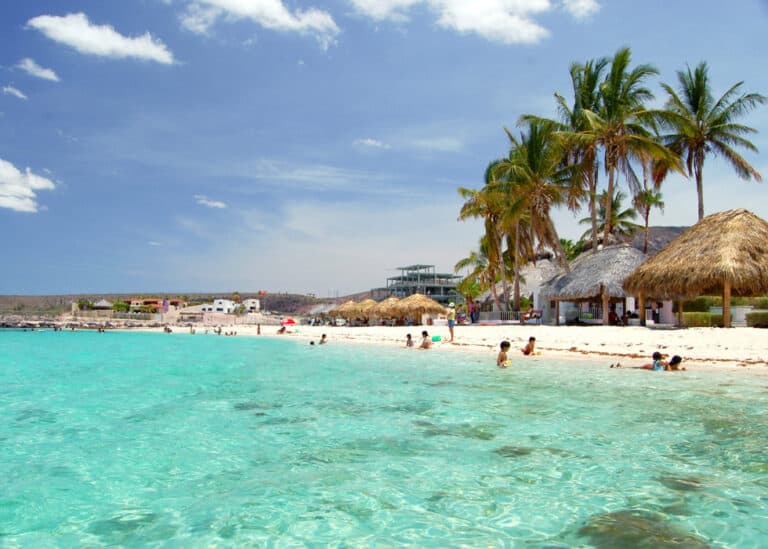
(451, 318)
(502, 360)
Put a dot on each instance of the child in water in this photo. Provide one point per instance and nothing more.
(502, 361)
(530, 349)
(408, 341)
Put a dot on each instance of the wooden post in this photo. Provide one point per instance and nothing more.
(605, 306)
(557, 312)
(641, 306)
(726, 303)
(680, 313)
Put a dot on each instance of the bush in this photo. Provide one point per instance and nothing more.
(702, 320)
(701, 304)
(759, 302)
(758, 319)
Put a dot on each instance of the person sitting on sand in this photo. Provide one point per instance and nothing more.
(323, 340)
(530, 348)
(281, 330)
(502, 360)
(426, 342)
(528, 315)
(408, 341)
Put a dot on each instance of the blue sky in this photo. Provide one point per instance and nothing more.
(307, 146)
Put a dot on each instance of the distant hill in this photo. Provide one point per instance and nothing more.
(277, 302)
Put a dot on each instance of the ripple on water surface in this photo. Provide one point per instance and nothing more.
(148, 439)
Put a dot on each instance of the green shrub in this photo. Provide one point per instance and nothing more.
(702, 320)
(758, 319)
(759, 302)
(700, 304)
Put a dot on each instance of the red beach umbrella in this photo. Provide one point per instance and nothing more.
(288, 322)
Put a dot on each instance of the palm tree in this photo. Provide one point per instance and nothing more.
(538, 179)
(489, 205)
(700, 125)
(585, 82)
(619, 126)
(645, 200)
(482, 271)
(613, 221)
(573, 249)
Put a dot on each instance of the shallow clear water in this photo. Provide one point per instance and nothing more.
(181, 440)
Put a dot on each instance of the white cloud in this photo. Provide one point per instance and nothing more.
(153, 243)
(205, 201)
(505, 21)
(581, 9)
(30, 67)
(201, 15)
(10, 90)
(372, 143)
(18, 189)
(76, 31)
(437, 144)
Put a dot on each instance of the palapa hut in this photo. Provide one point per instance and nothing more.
(364, 308)
(418, 305)
(385, 308)
(724, 253)
(348, 309)
(594, 277)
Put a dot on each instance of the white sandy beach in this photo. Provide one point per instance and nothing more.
(701, 348)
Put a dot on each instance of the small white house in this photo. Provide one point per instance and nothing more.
(220, 306)
(252, 305)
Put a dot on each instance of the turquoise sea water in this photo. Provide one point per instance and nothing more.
(125, 439)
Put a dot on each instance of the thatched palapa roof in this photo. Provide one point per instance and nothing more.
(595, 275)
(418, 303)
(730, 246)
(384, 308)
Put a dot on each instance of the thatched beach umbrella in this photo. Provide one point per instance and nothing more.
(384, 309)
(346, 310)
(417, 304)
(364, 307)
(594, 277)
(726, 253)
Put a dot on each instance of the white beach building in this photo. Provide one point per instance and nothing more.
(252, 305)
(220, 306)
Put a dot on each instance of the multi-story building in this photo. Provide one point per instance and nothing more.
(420, 279)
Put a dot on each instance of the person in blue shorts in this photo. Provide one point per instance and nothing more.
(451, 318)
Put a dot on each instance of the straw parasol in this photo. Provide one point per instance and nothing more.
(346, 310)
(594, 277)
(364, 307)
(384, 308)
(726, 252)
(417, 304)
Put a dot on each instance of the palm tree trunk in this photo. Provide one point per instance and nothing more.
(608, 205)
(646, 215)
(593, 206)
(503, 268)
(517, 266)
(699, 166)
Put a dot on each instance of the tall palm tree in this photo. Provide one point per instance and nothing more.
(700, 125)
(482, 271)
(540, 179)
(585, 82)
(619, 126)
(645, 201)
(489, 204)
(613, 221)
